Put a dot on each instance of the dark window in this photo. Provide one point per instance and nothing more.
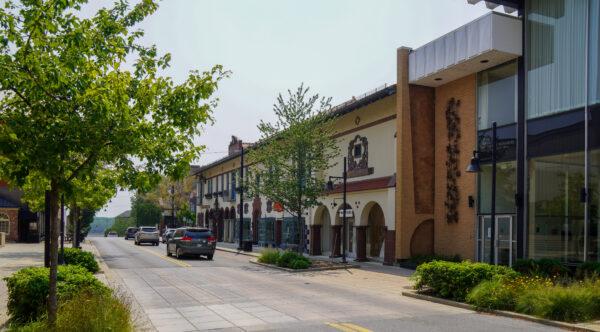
(357, 151)
(198, 234)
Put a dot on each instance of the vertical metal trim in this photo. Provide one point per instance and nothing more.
(522, 176)
(586, 215)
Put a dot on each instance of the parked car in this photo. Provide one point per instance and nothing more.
(147, 234)
(192, 241)
(130, 233)
(167, 234)
(113, 234)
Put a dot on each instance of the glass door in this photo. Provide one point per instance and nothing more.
(505, 243)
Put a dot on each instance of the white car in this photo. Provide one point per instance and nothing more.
(147, 234)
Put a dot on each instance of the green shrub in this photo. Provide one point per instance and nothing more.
(85, 259)
(574, 303)
(588, 270)
(287, 257)
(420, 259)
(88, 311)
(455, 280)
(492, 294)
(269, 256)
(544, 267)
(28, 289)
(300, 263)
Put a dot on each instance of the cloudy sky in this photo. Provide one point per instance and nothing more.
(339, 48)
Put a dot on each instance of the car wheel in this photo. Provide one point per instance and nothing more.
(178, 253)
(209, 257)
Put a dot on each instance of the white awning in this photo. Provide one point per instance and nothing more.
(486, 42)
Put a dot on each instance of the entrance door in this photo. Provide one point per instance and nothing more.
(505, 242)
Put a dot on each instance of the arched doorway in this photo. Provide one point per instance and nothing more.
(375, 231)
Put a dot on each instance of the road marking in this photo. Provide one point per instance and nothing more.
(169, 259)
(348, 327)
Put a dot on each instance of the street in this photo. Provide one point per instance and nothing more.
(230, 293)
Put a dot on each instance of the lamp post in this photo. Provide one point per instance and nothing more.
(344, 178)
(474, 167)
(241, 212)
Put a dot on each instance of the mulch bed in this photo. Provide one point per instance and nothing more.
(317, 265)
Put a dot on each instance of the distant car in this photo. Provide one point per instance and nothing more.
(192, 241)
(147, 234)
(113, 234)
(130, 233)
(167, 234)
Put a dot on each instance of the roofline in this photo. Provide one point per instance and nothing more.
(339, 110)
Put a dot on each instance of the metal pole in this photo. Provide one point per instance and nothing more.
(172, 206)
(344, 230)
(241, 230)
(62, 230)
(493, 214)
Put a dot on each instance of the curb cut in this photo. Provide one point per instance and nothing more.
(341, 267)
(233, 251)
(509, 314)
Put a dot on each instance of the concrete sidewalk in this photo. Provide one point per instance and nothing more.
(13, 257)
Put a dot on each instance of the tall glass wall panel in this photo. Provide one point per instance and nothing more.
(497, 95)
(506, 188)
(556, 31)
(594, 52)
(556, 213)
(594, 206)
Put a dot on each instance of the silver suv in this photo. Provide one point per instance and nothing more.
(147, 234)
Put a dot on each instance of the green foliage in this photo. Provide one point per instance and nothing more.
(544, 267)
(455, 280)
(144, 211)
(292, 150)
(88, 311)
(492, 294)
(420, 259)
(588, 270)
(574, 303)
(293, 260)
(28, 290)
(269, 256)
(82, 258)
(120, 225)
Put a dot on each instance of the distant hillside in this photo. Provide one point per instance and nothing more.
(100, 224)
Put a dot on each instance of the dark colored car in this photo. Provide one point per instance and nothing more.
(130, 232)
(167, 234)
(192, 241)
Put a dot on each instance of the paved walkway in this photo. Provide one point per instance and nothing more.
(13, 257)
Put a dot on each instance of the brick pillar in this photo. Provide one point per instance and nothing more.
(315, 240)
(278, 232)
(336, 240)
(389, 253)
(361, 243)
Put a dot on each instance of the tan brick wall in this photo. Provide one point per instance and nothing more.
(455, 238)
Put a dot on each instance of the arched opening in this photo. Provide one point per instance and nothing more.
(375, 231)
(347, 234)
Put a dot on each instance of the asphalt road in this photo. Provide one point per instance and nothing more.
(230, 293)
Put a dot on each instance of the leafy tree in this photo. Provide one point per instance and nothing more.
(173, 194)
(144, 211)
(70, 109)
(293, 151)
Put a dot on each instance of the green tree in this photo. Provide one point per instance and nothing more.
(293, 153)
(144, 211)
(70, 109)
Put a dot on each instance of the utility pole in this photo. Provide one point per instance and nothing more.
(344, 231)
(173, 205)
(241, 231)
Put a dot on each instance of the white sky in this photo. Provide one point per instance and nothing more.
(339, 48)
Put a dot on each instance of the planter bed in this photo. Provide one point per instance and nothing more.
(427, 296)
(317, 265)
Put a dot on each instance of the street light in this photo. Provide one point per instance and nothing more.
(344, 178)
(474, 167)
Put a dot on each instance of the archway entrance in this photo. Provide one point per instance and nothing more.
(375, 232)
(348, 234)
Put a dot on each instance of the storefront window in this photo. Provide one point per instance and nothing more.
(594, 207)
(506, 188)
(497, 95)
(556, 56)
(556, 213)
(594, 51)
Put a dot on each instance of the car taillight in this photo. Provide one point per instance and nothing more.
(186, 238)
(212, 239)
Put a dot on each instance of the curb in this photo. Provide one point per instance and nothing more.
(509, 314)
(233, 251)
(341, 267)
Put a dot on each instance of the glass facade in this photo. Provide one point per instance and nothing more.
(497, 95)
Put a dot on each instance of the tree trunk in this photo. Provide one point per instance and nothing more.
(54, 231)
(301, 227)
(75, 218)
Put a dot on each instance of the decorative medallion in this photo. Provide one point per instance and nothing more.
(358, 157)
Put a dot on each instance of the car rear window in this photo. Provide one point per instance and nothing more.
(148, 229)
(198, 234)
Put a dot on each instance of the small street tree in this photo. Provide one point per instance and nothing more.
(144, 211)
(70, 108)
(293, 153)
